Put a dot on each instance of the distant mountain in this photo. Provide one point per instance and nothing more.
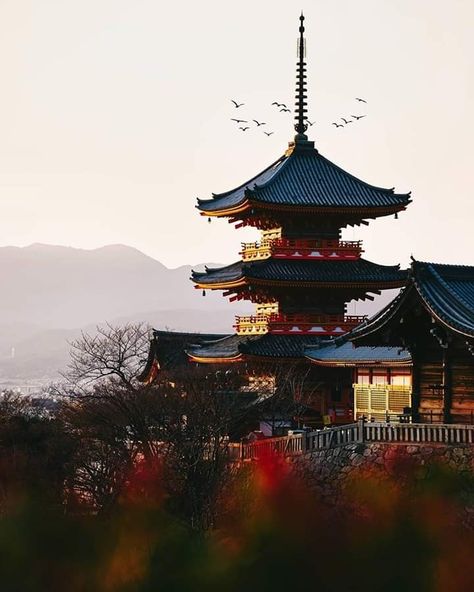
(61, 287)
(50, 293)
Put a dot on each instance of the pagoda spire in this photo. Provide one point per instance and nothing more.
(301, 91)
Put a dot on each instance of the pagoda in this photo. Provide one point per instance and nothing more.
(300, 274)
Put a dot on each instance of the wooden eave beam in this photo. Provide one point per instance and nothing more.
(204, 360)
(249, 204)
(360, 363)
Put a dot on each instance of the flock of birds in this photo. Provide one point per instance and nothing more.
(354, 117)
(281, 106)
(246, 124)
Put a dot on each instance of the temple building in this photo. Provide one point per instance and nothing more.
(300, 274)
(432, 318)
(380, 378)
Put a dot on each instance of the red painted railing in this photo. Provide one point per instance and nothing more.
(290, 324)
(317, 324)
(283, 248)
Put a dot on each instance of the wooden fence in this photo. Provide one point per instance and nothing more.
(351, 434)
(286, 446)
(419, 432)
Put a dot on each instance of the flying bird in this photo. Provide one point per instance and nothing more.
(285, 110)
(310, 123)
(337, 124)
(346, 121)
(358, 116)
(279, 104)
(237, 105)
(268, 133)
(361, 100)
(244, 128)
(259, 123)
(238, 120)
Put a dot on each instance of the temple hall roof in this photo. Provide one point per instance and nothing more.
(304, 178)
(344, 353)
(279, 346)
(446, 292)
(224, 348)
(266, 346)
(167, 350)
(357, 272)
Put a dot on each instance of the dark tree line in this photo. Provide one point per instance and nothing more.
(126, 487)
(106, 423)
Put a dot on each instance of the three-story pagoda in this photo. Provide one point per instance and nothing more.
(300, 275)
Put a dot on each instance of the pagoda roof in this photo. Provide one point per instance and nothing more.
(344, 353)
(446, 292)
(234, 347)
(304, 178)
(359, 272)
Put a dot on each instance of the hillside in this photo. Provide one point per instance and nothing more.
(61, 287)
(50, 293)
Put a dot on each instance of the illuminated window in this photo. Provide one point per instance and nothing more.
(401, 378)
(380, 377)
(363, 376)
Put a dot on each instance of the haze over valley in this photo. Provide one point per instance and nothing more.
(52, 293)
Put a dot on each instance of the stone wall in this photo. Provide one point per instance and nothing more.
(332, 471)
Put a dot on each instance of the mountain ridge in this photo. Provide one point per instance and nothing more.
(52, 292)
(65, 287)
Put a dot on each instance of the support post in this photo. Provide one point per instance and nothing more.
(447, 385)
(360, 435)
(415, 389)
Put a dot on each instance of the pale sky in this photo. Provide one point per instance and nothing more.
(115, 115)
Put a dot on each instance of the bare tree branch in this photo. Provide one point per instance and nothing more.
(112, 353)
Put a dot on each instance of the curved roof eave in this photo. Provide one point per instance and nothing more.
(342, 352)
(442, 302)
(360, 273)
(380, 319)
(245, 186)
(307, 180)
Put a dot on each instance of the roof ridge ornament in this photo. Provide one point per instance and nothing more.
(301, 91)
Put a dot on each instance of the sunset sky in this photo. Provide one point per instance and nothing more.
(115, 115)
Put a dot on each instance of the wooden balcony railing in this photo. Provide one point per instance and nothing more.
(251, 325)
(314, 324)
(400, 433)
(291, 324)
(282, 248)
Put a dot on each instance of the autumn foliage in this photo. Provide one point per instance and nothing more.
(404, 532)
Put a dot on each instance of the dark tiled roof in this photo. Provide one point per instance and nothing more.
(349, 355)
(269, 346)
(227, 347)
(167, 349)
(448, 291)
(306, 178)
(217, 275)
(359, 271)
(279, 346)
